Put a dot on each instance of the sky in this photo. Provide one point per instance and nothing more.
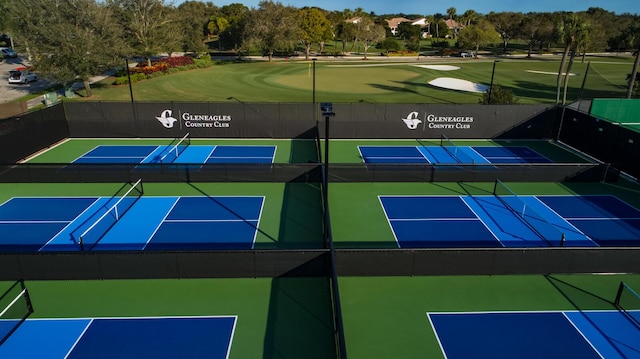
(430, 7)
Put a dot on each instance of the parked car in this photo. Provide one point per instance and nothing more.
(7, 53)
(22, 75)
(465, 54)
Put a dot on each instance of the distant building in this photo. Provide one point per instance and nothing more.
(453, 26)
(393, 24)
(422, 22)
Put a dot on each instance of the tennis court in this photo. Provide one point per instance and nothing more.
(131, 337)
(134, 154)
(510, 220)
(450, 154)
(129, 222)
(159, 318)
(552, 316)
(540, 334)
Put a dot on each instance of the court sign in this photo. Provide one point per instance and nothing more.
(194, 120)
(433, 121)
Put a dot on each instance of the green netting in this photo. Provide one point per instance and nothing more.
(621, 111)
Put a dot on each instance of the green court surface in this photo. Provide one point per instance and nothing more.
(385, 317)
(358, 219)
(290, 318)
(277, 318)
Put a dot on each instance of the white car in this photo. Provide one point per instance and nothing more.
(22, 76)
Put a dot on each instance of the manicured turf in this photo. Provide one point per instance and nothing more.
(398, 81)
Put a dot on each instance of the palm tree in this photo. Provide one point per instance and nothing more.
(451, 12)
(633, 36)
(470, 16)
(571, 30)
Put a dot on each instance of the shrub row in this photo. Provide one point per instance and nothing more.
(162, 67)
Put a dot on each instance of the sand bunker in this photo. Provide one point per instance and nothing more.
(549, 73)
(458, 84)
(440, 67)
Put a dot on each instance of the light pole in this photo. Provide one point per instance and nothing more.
(313, 94)
(244, 113)
(491, 85)
(327, 112)
(314, 82)
(126, 61)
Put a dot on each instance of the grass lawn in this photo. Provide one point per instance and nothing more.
(377, 80)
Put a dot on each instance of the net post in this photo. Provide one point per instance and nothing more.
(616, 302)
(562, 240)
(27, 299)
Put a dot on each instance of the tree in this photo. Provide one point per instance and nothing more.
(346, 32)
(67, 41)
(508, 25)
(388, 44)
(469, 17)
(194, 16)
(632, 35)
(408, 31)
(477, 35)
(314, 26)
(499, 96)
(232, 35)
(368, 33)
(216, 26)
(146, 26)
(272, 27)
(451, 12)
(571, 30)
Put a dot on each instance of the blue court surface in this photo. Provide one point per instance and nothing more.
(450, 155)
(122, 338)
(535, 335)
(194, 154)
(511, 221)
(141, 223)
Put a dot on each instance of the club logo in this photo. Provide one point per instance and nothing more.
(166, 119)
(412, 120)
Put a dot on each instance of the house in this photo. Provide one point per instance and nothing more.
(396, 21)
(393, 24)
(453, 26)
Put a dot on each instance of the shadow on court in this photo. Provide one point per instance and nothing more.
(580, 298)
(300, 323)
(15, 308)
(301, 223)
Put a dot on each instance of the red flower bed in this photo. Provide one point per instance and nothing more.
(178, 61)
(162, 65)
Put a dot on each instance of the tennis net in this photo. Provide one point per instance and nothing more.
(455, 151)
(103, 224)
(175, 150)
(628, 301)
(16, 307)
(545, 230)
